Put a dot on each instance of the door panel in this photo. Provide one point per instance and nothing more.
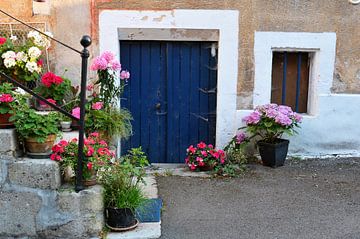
(168, 95)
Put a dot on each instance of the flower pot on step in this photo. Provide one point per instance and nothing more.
(34, 147)
(273, 154)
(4, 121)
(120, 219)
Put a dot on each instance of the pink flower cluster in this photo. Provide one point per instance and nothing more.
(97, 105)
(280, 114)
(49, 78)
(105, 61)
(203, 155)
(240, 137)
(6, 98)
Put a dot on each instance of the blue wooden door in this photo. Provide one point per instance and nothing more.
(171, 95)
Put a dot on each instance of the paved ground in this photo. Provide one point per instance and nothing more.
(304, 199)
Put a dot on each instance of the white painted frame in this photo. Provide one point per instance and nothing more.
(226, 21)
(323, 49)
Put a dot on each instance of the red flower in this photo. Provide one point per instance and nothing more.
(57, 149)
(63, 143)
(40, 62)
(201, 145)
(192, 166)
(2, 40)
(94, 134)
(90, 151)
(50, 78)
(191, 149)
(187, 160)
(89, 165)
(90, 87)
(103, 143)
(6, 98)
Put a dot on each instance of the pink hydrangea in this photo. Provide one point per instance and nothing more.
(297, 117)
(240, 137)
(253, 118)
(283, 119)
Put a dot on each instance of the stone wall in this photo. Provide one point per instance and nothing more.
(34, 203)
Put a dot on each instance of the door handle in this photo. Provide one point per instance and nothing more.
(158, 106)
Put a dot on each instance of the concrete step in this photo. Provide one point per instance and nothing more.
(35, 173)
(8, 142)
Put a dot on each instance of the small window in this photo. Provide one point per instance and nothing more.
(290, 80)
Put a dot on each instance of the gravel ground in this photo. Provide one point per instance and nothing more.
(303, 199)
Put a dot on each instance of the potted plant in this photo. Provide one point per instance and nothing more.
(111, 122)
(122, 194)
(54, 88)
(270, 122)
(38, 131)
(107, 67)
(65, 123)
(10, 99)
(97, 156)
(204, 157)
(23, 60)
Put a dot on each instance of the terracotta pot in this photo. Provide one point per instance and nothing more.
(67, 175)
(91, 181)
(207, 168)
(4, 121)
(33, 146)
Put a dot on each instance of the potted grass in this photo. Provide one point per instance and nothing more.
(65, 123)
(110, 122)
(122, 194)
(38, 131)
(269, 122)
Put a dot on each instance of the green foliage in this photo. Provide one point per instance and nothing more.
(121, 185)
(55, 92)
(109, 91)
(29, 124)
(114, 121)
(136, 157)
(236, 158)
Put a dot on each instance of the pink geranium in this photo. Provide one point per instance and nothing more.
(6, 98)
(76, 112)
(204, 156)
(97, 105)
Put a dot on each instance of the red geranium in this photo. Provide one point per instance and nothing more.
(6, 98)
(2, 40)
(50, 78)
(203, 156)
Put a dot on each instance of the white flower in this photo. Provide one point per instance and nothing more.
(49, 34)
(13, 38)
(21, 56)
(20, 91)
(9, 54)
(34, 52)
(9, 62)
(33, 34)
(31, 66)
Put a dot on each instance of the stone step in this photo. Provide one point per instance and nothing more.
(35, 173)
(9, 144)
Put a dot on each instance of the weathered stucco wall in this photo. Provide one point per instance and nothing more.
(70, 19)
(276, 15)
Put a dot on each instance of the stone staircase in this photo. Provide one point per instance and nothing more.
(35, 204)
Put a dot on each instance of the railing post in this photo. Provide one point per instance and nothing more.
(85, 42)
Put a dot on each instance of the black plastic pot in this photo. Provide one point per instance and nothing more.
(273, 155)
(120, 217)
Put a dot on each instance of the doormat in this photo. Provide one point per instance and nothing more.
(150, 212)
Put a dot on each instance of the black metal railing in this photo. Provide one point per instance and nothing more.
(85, 42)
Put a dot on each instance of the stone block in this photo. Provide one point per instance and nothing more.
(18, 212)
(8, 141)
(35, 173)
(86, 210)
